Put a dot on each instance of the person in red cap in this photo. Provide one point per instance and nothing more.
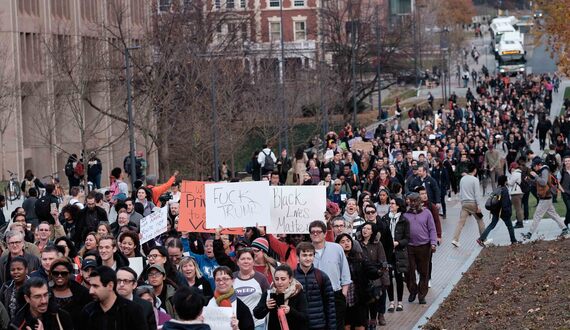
(514, 184)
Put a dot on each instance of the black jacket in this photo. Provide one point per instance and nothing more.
(320, 299)
(81, 298)
(398, 256)
(147, 312)
(432, 188)
(50, 319)
(82, 225)
(124, 315)
(297, 318)
(176, 325)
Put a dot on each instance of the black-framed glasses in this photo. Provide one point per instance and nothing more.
(56, 273)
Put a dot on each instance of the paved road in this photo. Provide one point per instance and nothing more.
(539, 60)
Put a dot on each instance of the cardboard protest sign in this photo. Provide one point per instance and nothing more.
(154, 224)
(366, 147)
(293, 208)
(243, 204)
(218, 318)
(136, 264)
(416, 154)
(192, 216)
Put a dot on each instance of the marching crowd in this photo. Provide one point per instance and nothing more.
(69, 266)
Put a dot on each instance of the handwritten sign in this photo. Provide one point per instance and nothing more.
(293, 208)
(366, 147)
(136, 264)
(192, 216)
(218, 318)
(154, 224)
(416, 154)
(242, 204)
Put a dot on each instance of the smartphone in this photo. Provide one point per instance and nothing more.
(278, 297)
(343, 197)
(53, 206)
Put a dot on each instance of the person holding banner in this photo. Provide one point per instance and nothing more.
(225, 297)
(285, 303)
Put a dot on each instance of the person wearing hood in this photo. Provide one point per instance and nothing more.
(422, 243)
(514, 186)
(542, 179)
(285, 302)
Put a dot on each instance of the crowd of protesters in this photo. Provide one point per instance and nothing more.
(68, 266)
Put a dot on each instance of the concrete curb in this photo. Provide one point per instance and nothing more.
(447, 290)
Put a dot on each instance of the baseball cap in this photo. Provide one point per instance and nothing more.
(88, 263)
(536, 161)
(157, 267)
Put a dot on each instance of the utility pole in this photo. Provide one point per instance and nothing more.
(414, 35)
(353, 62)
(321, 62)
(130, 115)
(378, 54)
(284, 126)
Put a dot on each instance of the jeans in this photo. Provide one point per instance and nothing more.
(399, 277)
(507, 219)
(566, 199)
(442, 201)
(340, 308)
(525, 204)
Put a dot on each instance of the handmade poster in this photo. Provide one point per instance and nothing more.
(192, 216)
(136, 264)
(416, 154)
(237, 204)
(154, 224)
(366, 147)
(218, 318)
(293, 208)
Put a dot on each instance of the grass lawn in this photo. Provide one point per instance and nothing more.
(559, 206)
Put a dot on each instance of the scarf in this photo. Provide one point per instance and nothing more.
(292, 290)
(393, 220)
(225, 300)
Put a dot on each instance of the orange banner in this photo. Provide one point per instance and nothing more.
(193, 210)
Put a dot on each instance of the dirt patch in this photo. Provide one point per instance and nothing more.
(520, 287)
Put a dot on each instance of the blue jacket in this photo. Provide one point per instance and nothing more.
(321, 310)
(207, 266)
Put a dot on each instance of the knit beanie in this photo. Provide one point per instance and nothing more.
(261, 243)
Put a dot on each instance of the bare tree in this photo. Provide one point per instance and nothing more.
(8, 97)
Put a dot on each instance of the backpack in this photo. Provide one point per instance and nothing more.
(551, 162)
(79, 170)
(69, 170)
(524, 185)
(551, 188)
(27, 185)
(494, 203)
(43, 208)
(269, 164)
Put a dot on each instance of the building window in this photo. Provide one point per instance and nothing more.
(299, 3)
(30, 53)
(274, 31)
(242, 3)
(300, 31)
(274, 3)
(230, 4)
(164, 5)
(217, 4)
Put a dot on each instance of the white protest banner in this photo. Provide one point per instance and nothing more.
(237, 204)
(136, 264)
(416, 154)
(293, 208)
(154, 224)
(218, 318)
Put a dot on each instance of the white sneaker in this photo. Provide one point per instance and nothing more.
(488, 242)
(455, 243)
(429, 284)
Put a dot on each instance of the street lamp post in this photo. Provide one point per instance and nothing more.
(353, 62)
(378, 54)
(284, 126)
(214, 122)
(130, 115)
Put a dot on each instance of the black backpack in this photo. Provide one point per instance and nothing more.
(269, 164)
(525, 185)
(494, 202)
(551, 162)
(69, 170)
(43, 209)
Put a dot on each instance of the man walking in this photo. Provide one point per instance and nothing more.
(330, 258)
(110, 311)
(468, 192)
(542, 178)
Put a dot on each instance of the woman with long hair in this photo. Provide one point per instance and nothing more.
(193, 276)
(91, 243)
(130, 245)
(285, 302)
(70, 251)
(398, 258)
(145, 199)
(383, 203)
(357, 298)
(263, 263)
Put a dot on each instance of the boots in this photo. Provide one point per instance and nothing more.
(381, 320)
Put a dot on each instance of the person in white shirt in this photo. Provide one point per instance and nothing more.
(514, 185)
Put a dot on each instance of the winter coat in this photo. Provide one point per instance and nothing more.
(33, 264)
(441, 176)
(320, 300)
(514, 182)
(185, 325)
(374, 253)
(81, 298)
(506, 204)
(127, 316)
(297, 318)
(398, 257)
(52, 319)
